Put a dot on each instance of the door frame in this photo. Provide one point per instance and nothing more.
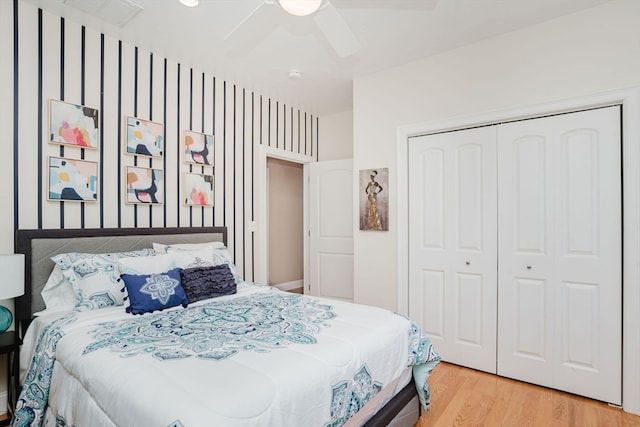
(629, 98)
(262, 225)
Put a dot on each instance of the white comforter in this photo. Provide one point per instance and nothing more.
(258, 358)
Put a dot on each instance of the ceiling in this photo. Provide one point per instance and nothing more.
(271, 47)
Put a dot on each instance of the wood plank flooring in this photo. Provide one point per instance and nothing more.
(465, 397)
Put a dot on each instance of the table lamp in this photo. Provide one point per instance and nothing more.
(11, 284)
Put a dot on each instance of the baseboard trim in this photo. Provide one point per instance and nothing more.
(287, 286)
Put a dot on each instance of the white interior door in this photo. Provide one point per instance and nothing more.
(331, 203)
(560, 252)
(452, 243)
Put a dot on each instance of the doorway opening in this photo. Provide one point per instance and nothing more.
(285, 224)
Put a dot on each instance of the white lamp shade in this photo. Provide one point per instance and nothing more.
(300, 7)
(11, 276)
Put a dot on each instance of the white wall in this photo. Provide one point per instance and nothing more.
(580, 54)
(337, 136)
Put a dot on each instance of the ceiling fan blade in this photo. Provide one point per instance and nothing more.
(254, 26)
(387, 4)
(336, 31)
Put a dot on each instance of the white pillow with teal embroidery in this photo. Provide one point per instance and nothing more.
(58, 293)
(217, 256)
(95, 277)
(184, 258)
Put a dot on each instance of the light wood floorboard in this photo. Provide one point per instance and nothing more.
(465, 397)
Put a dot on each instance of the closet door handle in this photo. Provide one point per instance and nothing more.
(468, 262)
(528, 267)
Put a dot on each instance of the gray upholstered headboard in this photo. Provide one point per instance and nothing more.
(40, 245)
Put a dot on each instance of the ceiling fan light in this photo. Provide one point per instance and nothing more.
(300, 7)
(190, 3)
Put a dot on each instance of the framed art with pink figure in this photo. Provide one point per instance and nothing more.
(73, 124)
(374, 199)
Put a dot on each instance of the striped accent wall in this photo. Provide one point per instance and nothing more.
(48, 57)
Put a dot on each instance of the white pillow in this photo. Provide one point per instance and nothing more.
(220, 255)
(95, 278)
(189, 259)
(146, 264)
(58, 293)
(162, 248)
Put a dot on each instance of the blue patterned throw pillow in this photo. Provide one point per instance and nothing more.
(207, 282)
(150, 292)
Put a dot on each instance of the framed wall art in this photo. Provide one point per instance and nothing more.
(198, 148)
(374, 199)
(73, 180)
(144, 185)
(198, 189)
(72, 124)
(144, 138)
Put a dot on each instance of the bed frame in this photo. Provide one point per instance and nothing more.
(39, 245)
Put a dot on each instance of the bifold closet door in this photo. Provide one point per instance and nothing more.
(452, 243)
(560, 252)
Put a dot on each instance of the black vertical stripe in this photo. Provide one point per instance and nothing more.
(135, 113)
(164, 131)
(178, 145)
(244, 210)
(284, 126)
(202, 130)
(62, 99)
(82, 97)
(213, 208)
(202, 106)
(150, 88)
(298, 131)
(191, 128)
(277, 124)
(151, 118)
(269, 124)
(312, 135)
(119, 207)
(40, 115)
(224, 153)
(260, 127)
(101, 136)
(233, 171)
(317, 138)
(62, 59)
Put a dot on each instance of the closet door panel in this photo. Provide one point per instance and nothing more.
(452, 194)
(588, 247)
(525, 254)
(572, 192)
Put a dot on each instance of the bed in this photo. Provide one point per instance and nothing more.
(224, 353)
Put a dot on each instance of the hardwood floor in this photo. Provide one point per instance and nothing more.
(465, 397)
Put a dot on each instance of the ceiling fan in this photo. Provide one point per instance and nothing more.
(324, 14)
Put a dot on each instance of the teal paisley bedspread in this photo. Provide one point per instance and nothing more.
(218, 332)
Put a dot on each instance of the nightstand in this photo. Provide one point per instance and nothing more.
(10, 345)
